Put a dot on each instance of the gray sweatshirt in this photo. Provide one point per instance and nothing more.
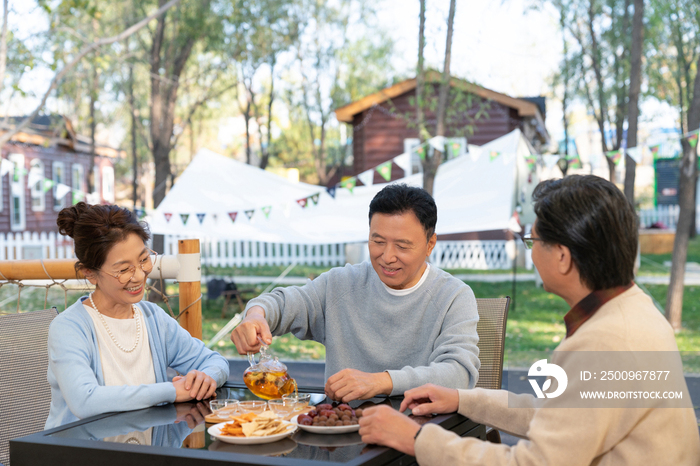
(427, 336)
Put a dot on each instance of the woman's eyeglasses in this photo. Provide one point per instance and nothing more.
(529, 240)
(146, 264)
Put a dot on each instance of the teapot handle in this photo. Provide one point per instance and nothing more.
(263, 352)
(251, 359)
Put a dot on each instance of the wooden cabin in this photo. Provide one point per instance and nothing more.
(383, 122)
(46, 167)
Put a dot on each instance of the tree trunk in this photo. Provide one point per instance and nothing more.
(686, 201)
(634, 90)
(432, 163)
(134, 157)
(3, 44)
(420, 75)
(94, 90)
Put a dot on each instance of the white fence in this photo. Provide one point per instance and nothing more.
(239, 253)
(665, 214)
(33, 245)
(481, 255)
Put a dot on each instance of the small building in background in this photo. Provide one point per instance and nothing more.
(384, 122)
(45, 167)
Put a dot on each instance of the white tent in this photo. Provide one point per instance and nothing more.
(473, 192)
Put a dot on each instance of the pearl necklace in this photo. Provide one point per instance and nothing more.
(104, 322)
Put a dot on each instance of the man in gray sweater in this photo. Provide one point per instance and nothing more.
(388, 326)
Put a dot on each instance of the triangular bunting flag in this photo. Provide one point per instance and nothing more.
(437, 143)
(530, 161)
(184, 218)
(635, 154)
(384, 169)
(693, 139)
(77, 196)
(249, 213)
(366, 177)
(349, 183)
(303, 202)
(331, 191)
(48, 184)
(404, 162)
(266, 210)
(232, 216)
(655, 150)
(550, 160)
(615, 156)
(200, 217)
(315, 198)
(6, 167)
(493, 154)
(61, 190)
(575, 162)
(33, 178)
(420, 150)
(455, 148)
(167, 216)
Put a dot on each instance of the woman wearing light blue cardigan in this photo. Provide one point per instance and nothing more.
(110, 350)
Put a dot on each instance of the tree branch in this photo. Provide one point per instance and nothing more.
(85, 51)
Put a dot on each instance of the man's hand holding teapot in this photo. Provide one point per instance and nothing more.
(245, 335)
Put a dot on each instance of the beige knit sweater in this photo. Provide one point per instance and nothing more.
(569, 436)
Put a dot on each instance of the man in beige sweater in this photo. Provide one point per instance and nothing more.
(584, 244)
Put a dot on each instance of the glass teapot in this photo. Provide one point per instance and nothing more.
(268, 378)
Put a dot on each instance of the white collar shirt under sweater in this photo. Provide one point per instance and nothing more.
(426, 336)
(120, 367)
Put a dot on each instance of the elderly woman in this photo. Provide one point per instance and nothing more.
(584, 244)
(110, 350)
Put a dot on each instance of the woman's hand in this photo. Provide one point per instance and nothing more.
(429, 399)
(383, 425)
(195, 385)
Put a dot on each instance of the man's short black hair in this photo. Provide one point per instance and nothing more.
(594, 219)
(397, 199)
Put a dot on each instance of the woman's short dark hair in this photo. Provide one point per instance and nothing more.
(594, 219)
(95, 229)
(396, 199)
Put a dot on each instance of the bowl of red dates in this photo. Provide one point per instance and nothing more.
(327, 419)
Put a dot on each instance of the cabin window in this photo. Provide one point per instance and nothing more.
(17, 187)
(36, 185)
(409, 145)
(77, 183)
(59, 178)
(108, 184)
(96, 184)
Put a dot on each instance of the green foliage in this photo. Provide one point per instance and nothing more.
(673, 38)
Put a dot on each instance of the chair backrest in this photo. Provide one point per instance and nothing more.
(25, 395)
(493, 314)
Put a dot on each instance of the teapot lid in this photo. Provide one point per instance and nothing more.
(267, 362)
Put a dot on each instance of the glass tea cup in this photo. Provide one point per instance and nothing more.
(282, 408)
(299, 401)
(252, 406)
(224, 408)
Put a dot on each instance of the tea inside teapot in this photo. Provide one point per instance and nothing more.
(268, 378)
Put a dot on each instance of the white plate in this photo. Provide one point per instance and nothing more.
(215, 431)
(280, 447)
(320, 440)
(327, 430)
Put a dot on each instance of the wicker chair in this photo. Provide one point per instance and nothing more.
(25, 395)
(493, 314)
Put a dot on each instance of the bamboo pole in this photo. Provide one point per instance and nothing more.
(57, 269)
(190, 293)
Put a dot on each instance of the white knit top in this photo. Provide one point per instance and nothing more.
(119, 367)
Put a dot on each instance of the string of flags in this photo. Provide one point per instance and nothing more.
(34, 177)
